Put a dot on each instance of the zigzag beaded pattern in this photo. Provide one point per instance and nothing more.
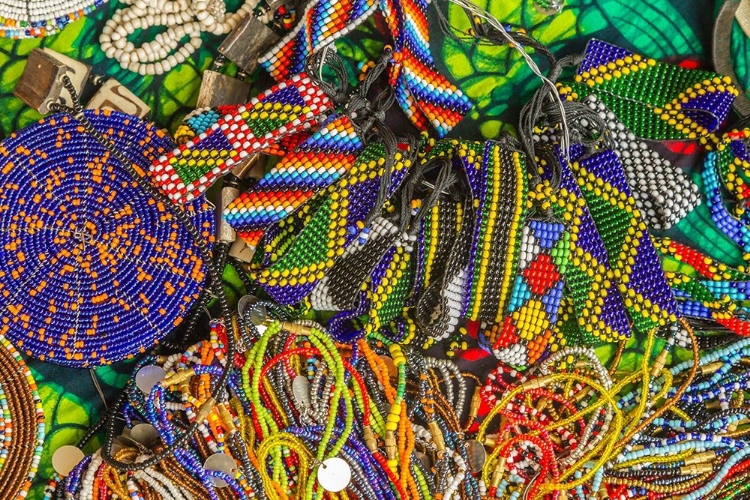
(323, 22)
(316, 163)
(426, 96)
(655, 100)
(634, 260)
(95, 270)
(528, 332)
(288, 108)
(598, 306)
(334, 226)
(21, 424)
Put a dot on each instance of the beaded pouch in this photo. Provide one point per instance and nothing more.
(288, 108)
(654, 100)
(663, 193)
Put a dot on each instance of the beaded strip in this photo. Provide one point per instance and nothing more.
(337, 224)
(498, 183)
(318, 162)
(634, 260)
(40, 18)
(663, 193)
(288, 108)
(708, 289)
(655, 100)
(323, 22)
(21, 424)
(95, 269)
(599, 308)
(528, 330)
(426, 97)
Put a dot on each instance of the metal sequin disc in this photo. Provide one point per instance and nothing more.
(244, 303)
(66, 458)
(220, 462)
(334, 474)
(145, 434)
(477, 454)
(148, 376)
(301, 390)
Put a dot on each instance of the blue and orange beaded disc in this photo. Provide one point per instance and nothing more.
(94, 269)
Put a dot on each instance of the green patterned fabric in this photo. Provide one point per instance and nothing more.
(497, 81)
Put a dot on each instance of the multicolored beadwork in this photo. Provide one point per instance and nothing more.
(21, 424)
(323, 22)
(427, 97)
(663, 193)
(286, 109)
(337, 223)
(528, 330)
(634, 261)
(95, 269)
(36, 19)
(317, 163)
(654, 100)
(498, 181)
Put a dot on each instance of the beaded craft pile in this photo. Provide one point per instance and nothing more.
(423, 317)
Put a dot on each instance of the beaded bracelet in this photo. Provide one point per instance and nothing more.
(41, 19)
(93, 254)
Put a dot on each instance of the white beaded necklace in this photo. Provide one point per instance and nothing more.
(185, 21)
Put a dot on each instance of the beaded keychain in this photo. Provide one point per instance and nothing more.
(21, 424)
(427, 98)
(97, 256)
(654, 100)
(286, 109)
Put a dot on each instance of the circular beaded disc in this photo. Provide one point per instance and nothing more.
(38, 18)
(21, 423)
(94, 270)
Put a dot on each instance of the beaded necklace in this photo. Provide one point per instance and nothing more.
(95, 255)
(21, 424)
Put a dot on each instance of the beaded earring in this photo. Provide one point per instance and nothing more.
(286, 109)
(654, 100)
(21, 424)
(93, 255)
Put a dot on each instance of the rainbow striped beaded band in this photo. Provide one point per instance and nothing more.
(95, 270)
(286, 109)
(655, 100)
(318, 162)
(21, 424)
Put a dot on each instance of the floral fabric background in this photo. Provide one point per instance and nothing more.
(496, 79)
